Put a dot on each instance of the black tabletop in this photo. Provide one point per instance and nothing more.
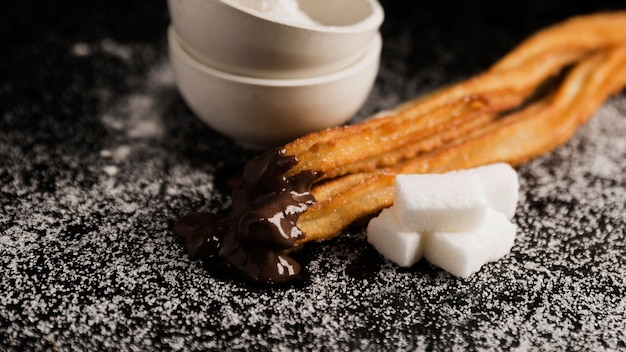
(99, 155)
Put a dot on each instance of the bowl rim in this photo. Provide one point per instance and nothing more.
(373, 21)
(372, 53)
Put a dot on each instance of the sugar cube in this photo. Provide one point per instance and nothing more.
(501, 186)
(463, 254)
(395, 242)
(450, 202)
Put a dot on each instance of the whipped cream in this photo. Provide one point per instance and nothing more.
(286, 11)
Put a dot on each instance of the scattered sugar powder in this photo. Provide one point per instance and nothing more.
(81, 49)
(111, 170)
(110, 46)
(120, 153)
(92, 264)
(139, 114)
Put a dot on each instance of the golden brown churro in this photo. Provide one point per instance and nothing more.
(528, 103)
(593, 48)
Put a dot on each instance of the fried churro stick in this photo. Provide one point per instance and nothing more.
(431, 140)
(515, 138)
(333, 148)
(520, 72)
(578, 34)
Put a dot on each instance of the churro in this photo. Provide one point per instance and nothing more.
(514, 139)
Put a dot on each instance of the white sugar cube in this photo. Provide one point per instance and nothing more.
(501, 186)
(463, 254)
(451, 202)
(394, 241)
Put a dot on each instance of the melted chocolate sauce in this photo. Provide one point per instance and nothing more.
(250, 241)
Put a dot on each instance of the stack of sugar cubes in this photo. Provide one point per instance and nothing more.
(457, 221)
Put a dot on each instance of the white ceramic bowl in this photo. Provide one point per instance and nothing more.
(235, 38)
(262, 113)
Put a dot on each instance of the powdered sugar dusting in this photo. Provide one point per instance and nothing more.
(88, 259)
(93, 261)
(143, 106)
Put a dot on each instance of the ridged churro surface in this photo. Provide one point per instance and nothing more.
(525, 105)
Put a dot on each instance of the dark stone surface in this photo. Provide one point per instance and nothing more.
(99, 155)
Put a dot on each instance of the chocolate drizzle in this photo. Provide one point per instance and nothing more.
(250, 242)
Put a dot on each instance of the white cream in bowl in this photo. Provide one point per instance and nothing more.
(276, 38)
(284, 11)
(344, 15)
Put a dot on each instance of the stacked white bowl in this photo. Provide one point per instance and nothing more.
(264, 72)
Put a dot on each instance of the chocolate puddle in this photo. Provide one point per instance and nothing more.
(262, 223)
